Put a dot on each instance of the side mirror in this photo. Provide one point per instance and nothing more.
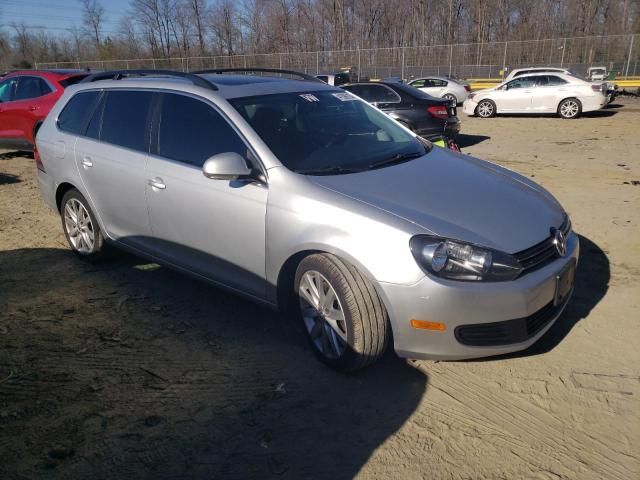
(225, 166)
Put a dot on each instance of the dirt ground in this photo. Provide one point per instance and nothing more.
(126, 370)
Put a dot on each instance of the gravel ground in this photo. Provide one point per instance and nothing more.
(126, 370)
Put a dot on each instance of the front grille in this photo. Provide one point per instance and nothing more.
(542, 253)
(508, 331)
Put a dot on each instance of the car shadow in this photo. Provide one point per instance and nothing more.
(591, 285)
(605, 112)
(8, 178)
(15, 154)
(125, 369)
(465, 140)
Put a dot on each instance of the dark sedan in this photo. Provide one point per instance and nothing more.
(427, 116)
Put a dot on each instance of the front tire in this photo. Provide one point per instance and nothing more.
(345, 320)
(81, 227)
(486, 109)
(570, 108)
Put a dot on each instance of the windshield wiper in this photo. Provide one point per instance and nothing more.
(328, 170)
(397, 158)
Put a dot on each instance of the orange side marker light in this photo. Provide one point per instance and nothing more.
(424, 325)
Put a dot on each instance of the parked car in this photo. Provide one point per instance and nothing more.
(303, 197)
(335, 79)
(442, 87)
(611, 88)
(564, 95)
(518, 72)
(26, 96)
(597, 74)
(427, 116)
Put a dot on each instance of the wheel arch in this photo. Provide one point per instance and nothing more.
(287, 272)
(61, 189)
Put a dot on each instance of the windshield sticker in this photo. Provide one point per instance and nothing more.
(345, 96)
(309, 97)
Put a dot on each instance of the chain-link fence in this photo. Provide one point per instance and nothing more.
(619, 53)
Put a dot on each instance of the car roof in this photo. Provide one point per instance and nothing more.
(60, 74)
(227, 86)
(550, 69)
(545, 73)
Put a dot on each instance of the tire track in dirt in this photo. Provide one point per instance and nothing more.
(526, 428)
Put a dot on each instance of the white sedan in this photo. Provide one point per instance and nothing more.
(556, 93)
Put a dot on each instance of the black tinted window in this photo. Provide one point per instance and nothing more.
(75, 114)
(93, 129)
(125, 119)
(376, 93)
(192, 131)
(31, 87)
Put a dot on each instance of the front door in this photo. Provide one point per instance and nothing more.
(215, 228)
(111, 159)
(516, 95)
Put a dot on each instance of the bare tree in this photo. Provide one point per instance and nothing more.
(93, 17)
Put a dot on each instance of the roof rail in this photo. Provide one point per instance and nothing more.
(303, 76)
(120, 74)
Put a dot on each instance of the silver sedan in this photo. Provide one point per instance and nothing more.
(443, 87)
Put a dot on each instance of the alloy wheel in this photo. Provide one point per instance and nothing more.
(485, 109)
(569, 109)
(79, 226)
(323, 314)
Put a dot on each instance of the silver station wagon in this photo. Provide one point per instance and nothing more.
(303, 197)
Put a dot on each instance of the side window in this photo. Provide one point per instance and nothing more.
(324, 78)
(438, 83)
(75, 114)
(31, 87)
(7, 89)
(522, 83)
(417, 83)
(191, 131)
(340, 79)
(379, 94)
(542, 81)
(553, 80)
(125, 120)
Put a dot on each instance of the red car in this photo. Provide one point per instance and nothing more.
(26, 96)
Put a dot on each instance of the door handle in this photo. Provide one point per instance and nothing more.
(87, 163)
(157, 183)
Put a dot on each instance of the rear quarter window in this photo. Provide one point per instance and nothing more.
(75, 115)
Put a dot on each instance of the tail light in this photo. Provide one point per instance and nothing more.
(438, 111)
(467, 88)
(601, 87)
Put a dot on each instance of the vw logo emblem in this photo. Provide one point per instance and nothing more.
(559, 242)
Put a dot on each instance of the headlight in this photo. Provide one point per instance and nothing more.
(456, 260)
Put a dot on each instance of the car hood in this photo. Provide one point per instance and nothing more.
(457, 196)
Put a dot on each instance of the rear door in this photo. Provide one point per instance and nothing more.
(215, 228)
(34, 96)
(111, 158)
(547, 93)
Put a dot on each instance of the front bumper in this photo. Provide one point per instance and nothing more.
(459, 304)
(469, 107)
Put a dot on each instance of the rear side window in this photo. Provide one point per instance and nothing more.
(31, 87)
(191, 131)
(125, 120)
(553, 80)
(75, 114)
(324, 78)
(375, 93)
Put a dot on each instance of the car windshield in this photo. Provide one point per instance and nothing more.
(328, 132)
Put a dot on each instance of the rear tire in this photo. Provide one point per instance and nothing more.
(451, 97)
(569, 108)
(486, 109)
(345, 320)
(81, 227)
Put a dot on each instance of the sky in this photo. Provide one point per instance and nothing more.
(57, 15)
